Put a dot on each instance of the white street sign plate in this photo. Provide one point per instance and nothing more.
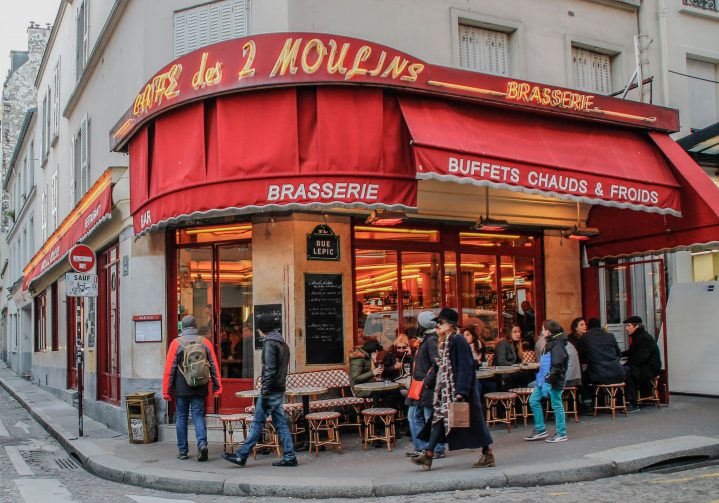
(80, 284)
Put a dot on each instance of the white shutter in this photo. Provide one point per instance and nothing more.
(702, 93)
(239, 12)
(180, 33)
(84, 157)
(53, 202)
(43, 215)
(86, 33)
(209, 24)
(74, 159)
(221, 21)
(483, 50)
(56, 101)
(592, 71)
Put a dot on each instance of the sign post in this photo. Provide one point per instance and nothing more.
(81, 283)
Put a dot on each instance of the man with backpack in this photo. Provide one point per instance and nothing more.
(190, 366)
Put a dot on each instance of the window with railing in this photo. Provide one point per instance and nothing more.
(710, 5)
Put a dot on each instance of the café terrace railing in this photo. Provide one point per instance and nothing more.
(702, 4)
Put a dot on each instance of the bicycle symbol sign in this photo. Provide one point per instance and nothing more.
(80, 284)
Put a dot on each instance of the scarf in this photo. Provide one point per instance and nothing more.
(444, 391)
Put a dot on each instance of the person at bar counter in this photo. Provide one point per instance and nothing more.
(420, 411)
(643, 360)
(456, 381)
(550, 380)
(601, 351)
(189, 398)
(275, 364)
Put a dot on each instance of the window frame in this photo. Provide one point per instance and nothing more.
(616, 53)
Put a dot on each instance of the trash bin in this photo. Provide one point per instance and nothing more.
(141, 421)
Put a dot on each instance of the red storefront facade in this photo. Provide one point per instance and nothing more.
(283, 131)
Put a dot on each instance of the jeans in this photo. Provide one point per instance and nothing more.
(417, 416)
(276, 410)
(535, 402)
(183, 405)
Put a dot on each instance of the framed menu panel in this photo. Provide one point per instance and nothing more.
(324, 319)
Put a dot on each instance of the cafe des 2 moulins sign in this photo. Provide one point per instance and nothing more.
(323, 244)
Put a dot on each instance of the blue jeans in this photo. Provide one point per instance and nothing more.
(183, 405)
(417, 416)
(535, 402)
(277, 411)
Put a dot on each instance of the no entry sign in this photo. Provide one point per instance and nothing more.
(82, 258)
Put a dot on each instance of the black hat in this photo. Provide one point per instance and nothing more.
(372, 346)
(594, 323)
(634, 320)
(449, 315)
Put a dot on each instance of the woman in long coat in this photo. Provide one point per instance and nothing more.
(456, 382)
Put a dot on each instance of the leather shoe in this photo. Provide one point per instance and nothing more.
(202, 453)
(233, 458)
(285, 462)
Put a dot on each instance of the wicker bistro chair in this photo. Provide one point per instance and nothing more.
(529, 357)
(653, 396)
(506, 399)
(229, 423)
(327, 422)
(570, 392)
(523, 395)
(608, 392)
(384, 414)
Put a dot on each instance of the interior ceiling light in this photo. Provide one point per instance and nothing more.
(579, 233)
(488, 224)
(382, 217)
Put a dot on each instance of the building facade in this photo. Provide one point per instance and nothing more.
(267, 197)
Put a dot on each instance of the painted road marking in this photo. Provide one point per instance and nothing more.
(685, 479)
(17, 461)
(43, 491)
(3, 430)
(155, 499)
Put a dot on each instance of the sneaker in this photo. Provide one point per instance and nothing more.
(556, 438)
(233, 458)
(484, 461)
(202, 453)
(286, 462)
(536, 435)
(439, 455)
(182, 455)
(632, 407)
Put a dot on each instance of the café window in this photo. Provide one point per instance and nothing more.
(214, 284)
(488, 278)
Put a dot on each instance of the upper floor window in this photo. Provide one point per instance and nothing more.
(55, 126)
(80, 162)
(592, 71)
(208, 24)
(82, 52)
(45, 125)
(702, 93)
(483, 50)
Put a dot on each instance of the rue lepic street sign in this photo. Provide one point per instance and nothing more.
(81, 284)
(323, 244)
(82, 258)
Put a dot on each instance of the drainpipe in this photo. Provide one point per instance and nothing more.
(663, 49)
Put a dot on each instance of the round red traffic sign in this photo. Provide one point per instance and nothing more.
(82, 258)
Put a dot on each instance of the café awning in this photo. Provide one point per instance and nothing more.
(540, 154)
(93, 209)
(627, 233)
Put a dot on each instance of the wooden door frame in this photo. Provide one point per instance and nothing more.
(102, 328)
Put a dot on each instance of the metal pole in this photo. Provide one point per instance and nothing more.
(79, 348)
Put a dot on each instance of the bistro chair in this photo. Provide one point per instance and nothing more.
(608, 393)
(229, 423)
(570, 392)
(523, 395)
(327, 422)
(269, 439)
(653, 396)
(506, 399)
(369, 418)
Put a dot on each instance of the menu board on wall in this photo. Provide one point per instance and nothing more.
(323, 319)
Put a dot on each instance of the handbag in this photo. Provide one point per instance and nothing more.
(459, 415)
(415, 389)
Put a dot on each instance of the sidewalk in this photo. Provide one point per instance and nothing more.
(597, 447)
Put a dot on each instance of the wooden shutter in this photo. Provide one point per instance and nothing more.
(43, 215)
(209, 24)
(53, 202)
(56, 101)
(74, 160)
(84, 157)
(592, 71)
(483, 50)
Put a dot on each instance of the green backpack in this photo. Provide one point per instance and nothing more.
(195, 368)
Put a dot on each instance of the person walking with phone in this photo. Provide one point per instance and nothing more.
(456, 382)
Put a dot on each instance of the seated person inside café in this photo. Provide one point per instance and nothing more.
(366, 366)
(509, 352)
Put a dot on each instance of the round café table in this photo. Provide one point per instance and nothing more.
(377, 386)
(485, 374)
(306, 392)
(529, 367)
(248, 393)
(507, 369)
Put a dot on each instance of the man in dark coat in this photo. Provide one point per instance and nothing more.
(275, 362)
(601, 352)
(420, 411)
(643, 360)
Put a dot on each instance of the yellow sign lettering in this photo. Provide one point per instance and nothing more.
(207, 76)
(287, 59)
(248, 51)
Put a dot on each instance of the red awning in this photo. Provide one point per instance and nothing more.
(91, 211)
(557, 157)
(626, 233)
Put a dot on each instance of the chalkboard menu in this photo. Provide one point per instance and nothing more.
(323, 319)
(265, 311)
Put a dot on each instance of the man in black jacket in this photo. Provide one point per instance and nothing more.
(421, 411)
(275, 361)
(643, 360)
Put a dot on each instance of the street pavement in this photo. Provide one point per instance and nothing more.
(597, 448)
